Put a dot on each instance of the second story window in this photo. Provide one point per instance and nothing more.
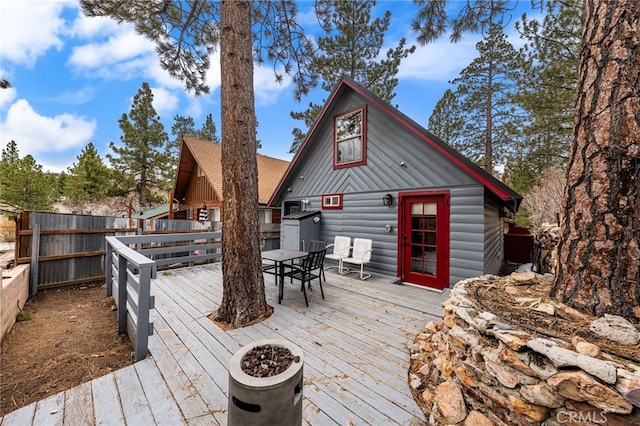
(350, 139)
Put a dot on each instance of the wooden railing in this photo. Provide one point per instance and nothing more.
(131, 263)
(67, 250)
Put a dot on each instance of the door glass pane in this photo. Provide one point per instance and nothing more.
(423, 238)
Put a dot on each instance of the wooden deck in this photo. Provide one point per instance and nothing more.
(354, 341)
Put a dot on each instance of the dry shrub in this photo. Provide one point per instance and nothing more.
(544, 201)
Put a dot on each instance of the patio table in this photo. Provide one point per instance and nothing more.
(280, 256)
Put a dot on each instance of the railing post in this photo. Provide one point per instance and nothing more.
(108, 270)
(144, 327)
(35, 254)
(122, 294)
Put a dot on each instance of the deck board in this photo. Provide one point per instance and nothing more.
(107, 409)
(354, 342)
(50, 411)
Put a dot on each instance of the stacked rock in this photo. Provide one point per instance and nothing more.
(473, 368)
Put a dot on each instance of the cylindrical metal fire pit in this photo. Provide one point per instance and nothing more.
(275, 400)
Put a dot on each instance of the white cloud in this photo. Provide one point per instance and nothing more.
(7, 96)
(123, 46)
(35, 133)
(267, 89)
(213, 74)
(164, 101)
(29, 28)
(439, 61)
(85, 27)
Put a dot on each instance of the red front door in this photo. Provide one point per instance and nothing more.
(424, 245)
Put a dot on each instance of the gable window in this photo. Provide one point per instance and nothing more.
(332, 202)
(350, 136)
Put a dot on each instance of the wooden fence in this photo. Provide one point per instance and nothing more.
(66, 249)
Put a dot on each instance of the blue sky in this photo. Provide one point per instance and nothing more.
(73, 77)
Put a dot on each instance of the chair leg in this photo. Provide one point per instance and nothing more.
(363, 275)
(304, 290)
(321, 290)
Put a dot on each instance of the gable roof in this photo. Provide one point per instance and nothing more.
(502, 192)
(208, 156)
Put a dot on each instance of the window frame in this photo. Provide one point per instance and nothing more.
(337, 206)
(362, 135)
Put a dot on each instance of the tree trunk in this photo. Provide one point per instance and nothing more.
(488, 137)
(243, 299)
(599, 263)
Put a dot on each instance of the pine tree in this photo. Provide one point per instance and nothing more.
(208, 132)
(273, 32)
(547, 88)
(89, 180)
(599, 254)
(352, 47)
(23, 184)
(142, 158)
(485, 91)
(447, 120)
(599, 251)
(182, 126)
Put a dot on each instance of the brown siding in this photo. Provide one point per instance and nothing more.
(200, 191)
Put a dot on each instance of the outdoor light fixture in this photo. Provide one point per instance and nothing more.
(387, 200)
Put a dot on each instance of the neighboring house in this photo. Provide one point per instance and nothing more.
(161, 211)
(199, 180)
(433, 215)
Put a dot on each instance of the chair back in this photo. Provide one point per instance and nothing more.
(318, 259)
(341, 245)
(313, 260)
(362, 249)
(317, 245)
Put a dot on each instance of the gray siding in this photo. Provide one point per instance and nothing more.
(493, 239)
(388, 145)
(363, 215)
(467, 233)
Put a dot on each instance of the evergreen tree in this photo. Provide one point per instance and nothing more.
(485, 92)
(89, 180)
(599, 257)
(599, 250)
(447, 120)
(208, 132)
(352, 46)
(142, 158)
(182, 126)
(23, 184)
(246, 31)
(547, 88)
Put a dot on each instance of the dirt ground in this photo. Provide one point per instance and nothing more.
(71, 338)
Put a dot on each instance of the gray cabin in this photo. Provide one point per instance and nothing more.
(369, 171)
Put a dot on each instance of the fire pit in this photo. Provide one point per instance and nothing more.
(265, 384)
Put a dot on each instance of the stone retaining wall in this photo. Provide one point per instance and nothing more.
(473, 368)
